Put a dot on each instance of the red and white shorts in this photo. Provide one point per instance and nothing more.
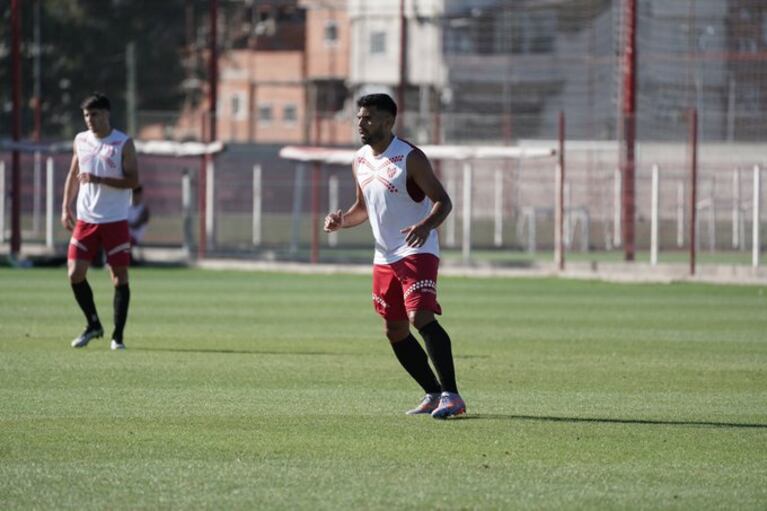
(409, 284)
(114, 237)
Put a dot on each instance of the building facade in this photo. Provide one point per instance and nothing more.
(490, 71)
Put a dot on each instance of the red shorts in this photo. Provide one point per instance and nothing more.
(409, 284)
(114, 237)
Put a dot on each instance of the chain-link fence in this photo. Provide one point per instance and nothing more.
(265, 207)
(507, 70)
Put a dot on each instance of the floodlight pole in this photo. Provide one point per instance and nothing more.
(211, 124)
(15, 127)
(213, 72)
(36, 105)
(37, 72)
(628, 156)
(402, 67)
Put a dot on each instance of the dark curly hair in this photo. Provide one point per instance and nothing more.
(382, 102)
(96, 101)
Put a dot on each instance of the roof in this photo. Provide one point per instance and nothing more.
(316, 154)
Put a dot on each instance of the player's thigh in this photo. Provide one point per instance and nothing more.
(387, 294)
(116, 239)
(418, 277)
(84, 242)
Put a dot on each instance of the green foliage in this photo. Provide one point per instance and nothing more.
(83, 49)
(278, 391)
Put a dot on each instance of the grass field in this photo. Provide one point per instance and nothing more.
(277, 391)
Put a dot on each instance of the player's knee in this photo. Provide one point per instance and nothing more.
(76, 273)
(397, 332)
(120, 281)
(420, 318)
(119, 276)
(76, 278)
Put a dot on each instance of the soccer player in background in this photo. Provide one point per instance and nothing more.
(399, 193)
(105, 168)
(138, 219)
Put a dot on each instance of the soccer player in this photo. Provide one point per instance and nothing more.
(399, 193)
(105, 168)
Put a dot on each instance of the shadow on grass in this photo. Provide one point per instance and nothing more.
(649, 422)
(268, 352)
(246, 352)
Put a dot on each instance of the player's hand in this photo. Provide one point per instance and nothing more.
(88, 178)
(334, 221)
(416, 235)
(67, 220)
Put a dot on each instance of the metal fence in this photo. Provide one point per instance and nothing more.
(509, 68)
(261, 206)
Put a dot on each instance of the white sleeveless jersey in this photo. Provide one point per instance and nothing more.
(100, 203)
(390, 207)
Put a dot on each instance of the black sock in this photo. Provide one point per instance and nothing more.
(441, 354)
(84, 297)
(414, 360)
(121, 301)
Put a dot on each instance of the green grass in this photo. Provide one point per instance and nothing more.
(277, 391)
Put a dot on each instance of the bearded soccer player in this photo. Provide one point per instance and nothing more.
(105, 169)
(398, 192)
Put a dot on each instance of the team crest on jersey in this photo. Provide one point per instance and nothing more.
(367, 172)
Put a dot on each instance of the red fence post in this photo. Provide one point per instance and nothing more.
(16, 127)
(559, 250)
(629, 128)
(693, 142)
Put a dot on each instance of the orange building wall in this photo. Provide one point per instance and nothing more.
(324, 59)
(261, 79)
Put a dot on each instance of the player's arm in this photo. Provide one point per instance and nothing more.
(355, 215)
(70, 187)
(420, 171)
(129, 178)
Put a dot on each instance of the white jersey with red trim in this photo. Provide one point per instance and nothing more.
(99, 203)
(391, 206)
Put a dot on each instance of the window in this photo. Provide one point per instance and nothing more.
(748, 99)
(265, 113)
(534, 32)
(237, 106)
(542, 30)
(331, 95)
(746, 45)
(378, 43)
(290, 113)
(330, 34)
(503, 32)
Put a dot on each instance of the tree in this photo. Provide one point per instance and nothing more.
(83, 49)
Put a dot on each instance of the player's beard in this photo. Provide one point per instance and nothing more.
(373, 137)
